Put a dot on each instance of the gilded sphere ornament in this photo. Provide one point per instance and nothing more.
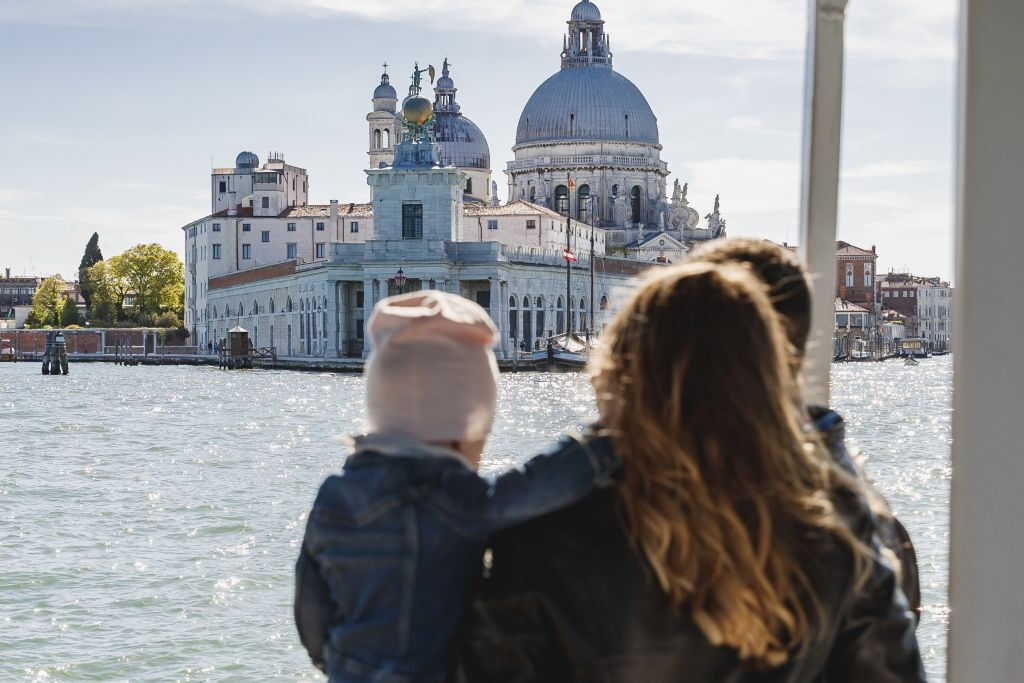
(417, 110)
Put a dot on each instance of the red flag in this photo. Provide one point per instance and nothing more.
(568, 255)
(572, 185)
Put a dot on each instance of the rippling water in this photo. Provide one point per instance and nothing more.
(150, 517)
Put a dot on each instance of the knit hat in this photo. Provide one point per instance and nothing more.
(432, 374)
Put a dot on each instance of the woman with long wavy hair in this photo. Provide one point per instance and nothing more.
(732, 547)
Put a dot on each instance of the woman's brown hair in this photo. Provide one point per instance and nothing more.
(720, 482)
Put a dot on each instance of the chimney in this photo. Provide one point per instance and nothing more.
(873, 250)
(7, 272)
(334, 209)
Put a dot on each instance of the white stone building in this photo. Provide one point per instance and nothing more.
(269, 260)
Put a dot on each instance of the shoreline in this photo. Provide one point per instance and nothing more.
(338, 365)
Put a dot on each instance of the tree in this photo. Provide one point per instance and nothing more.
(48, 301)
(153, 274)
(91, 257)
(69, 314)
(107, 300)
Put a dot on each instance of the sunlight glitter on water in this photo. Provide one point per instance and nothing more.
(150, 517)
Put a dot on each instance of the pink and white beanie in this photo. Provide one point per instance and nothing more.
(432, 374)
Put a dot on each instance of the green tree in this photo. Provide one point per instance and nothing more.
(153, 274)
(69, 314)
(48, 301)
(91, 257)
(107, 298)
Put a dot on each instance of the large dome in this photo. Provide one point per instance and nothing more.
(588, 103)
(462, 143)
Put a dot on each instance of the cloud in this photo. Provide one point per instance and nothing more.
(747, 185)
(892, 169)
(11, 195)
(766, 29)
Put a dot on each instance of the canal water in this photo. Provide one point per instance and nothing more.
(150, 517)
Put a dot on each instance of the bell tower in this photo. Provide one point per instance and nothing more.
(384, 125)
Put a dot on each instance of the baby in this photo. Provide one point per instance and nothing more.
(394, 543)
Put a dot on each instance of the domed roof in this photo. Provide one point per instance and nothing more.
(589, 103)
(247, 160)
(462, 143)
(385, 91)
(586, 11)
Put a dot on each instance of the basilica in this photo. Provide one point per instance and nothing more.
(588, 207)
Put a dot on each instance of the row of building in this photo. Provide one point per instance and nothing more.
(878, 313)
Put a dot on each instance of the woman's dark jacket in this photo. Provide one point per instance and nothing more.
(568, 599)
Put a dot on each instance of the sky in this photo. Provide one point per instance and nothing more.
(112, 112)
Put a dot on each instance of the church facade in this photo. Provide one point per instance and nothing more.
(587, 177)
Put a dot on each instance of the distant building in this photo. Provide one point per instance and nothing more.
(853, 329)
(926, 303)
(16, 298)
(855, 274)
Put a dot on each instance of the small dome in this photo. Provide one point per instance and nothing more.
(385, 91)
(247, 160)
(463, 144)
(586, 11)
(445, 83)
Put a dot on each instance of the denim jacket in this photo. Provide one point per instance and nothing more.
(394, 545)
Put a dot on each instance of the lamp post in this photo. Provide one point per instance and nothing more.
(400, 281)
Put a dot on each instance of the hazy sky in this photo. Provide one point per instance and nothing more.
(112, 111)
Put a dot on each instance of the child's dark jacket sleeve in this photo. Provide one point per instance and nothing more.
(313, 607)
(568, 473)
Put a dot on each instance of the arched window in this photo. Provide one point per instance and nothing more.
(849, 275)
(604, 303)
(526, 302)
(572, 125)
(559, 318)
(583, 304)
(512, 302)
(533, 193)
(273, 308)
(867, 276)
(635, 201)
(302, 306)
(288, 306)
(469, 186)
(215, 312)
(241, 309)
(387, 138)
(255, 307)
(562, 200)
(539, 303)
(376, 139)
(583, 202)
(615, 189)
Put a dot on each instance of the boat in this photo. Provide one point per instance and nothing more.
(6, 351)
(910, 361)
(567, 351)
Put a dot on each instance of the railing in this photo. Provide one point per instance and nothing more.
(588, 160)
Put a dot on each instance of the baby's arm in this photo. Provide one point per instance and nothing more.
(544, 484)
(313, 606)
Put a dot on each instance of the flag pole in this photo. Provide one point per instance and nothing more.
(568, 250)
